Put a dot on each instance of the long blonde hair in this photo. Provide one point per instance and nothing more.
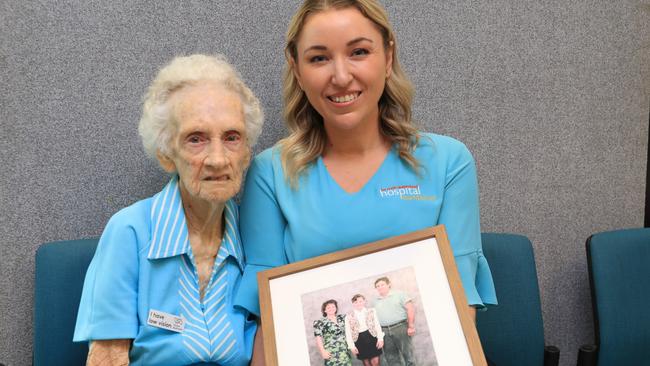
(307, 138)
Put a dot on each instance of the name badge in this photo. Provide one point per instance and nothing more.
(167, 321)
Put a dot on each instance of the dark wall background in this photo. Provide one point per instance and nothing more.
(551, 97)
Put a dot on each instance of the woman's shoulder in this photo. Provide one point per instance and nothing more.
(135, 212)
(128, 229)
(441, 146)
(268, 156)
(433, 140)
(134, 219)
(267, 163)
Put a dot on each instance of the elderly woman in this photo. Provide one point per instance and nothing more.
(159, 290)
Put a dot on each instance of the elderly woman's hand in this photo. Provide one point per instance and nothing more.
(112, 352)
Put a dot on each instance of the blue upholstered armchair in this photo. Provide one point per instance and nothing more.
(619, 275)
(59, 276)
(512, 333)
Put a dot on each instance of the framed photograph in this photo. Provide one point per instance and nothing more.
(398, 297)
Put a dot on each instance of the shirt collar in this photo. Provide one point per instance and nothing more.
(169, 227)
(390, 292)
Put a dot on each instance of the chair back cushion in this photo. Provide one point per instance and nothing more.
(619, 271)
(59, 276)
(512, 333)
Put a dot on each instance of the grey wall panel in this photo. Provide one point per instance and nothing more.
(551, 97)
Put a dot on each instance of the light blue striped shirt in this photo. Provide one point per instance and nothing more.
(144, 262)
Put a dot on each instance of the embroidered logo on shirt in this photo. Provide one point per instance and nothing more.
(406, 192)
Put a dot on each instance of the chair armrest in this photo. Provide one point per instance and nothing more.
(551, 356)
(587, 355)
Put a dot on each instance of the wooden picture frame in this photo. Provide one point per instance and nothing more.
(426, 253)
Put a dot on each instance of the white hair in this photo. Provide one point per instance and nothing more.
(156, 127)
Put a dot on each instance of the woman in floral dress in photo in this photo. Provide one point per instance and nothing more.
(330, 336)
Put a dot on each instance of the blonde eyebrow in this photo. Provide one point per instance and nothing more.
(352, 42)
(359, 39)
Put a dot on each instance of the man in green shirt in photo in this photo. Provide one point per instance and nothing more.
(396, 314)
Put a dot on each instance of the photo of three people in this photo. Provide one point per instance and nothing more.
(371, 321)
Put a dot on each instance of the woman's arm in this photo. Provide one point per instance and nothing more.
(258, 348)
(380, 333)
(262, 225)
(110, 352)
(109, 301)
(348, 337)
(460, 215)
(323, 352)
(318, 334)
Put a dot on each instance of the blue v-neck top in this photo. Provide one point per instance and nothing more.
(280, 225)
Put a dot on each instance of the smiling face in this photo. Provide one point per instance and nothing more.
(209, 149)
(359, 303)
(382, 288)
(330, 309)
(341, 64)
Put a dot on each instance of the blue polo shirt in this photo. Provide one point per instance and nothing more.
(144, 263)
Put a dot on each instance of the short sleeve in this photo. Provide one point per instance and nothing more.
(348, 332)
(262, 226)
(108, 307)
(380, 333)
(404, 298)
(318, 328)
(460, 215)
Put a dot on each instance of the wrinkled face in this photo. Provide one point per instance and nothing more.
(330, 309)
(341, 64)
(382, 288)
(359, 303)
(209, 149)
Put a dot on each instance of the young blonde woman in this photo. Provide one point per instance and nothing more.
(354, 168)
